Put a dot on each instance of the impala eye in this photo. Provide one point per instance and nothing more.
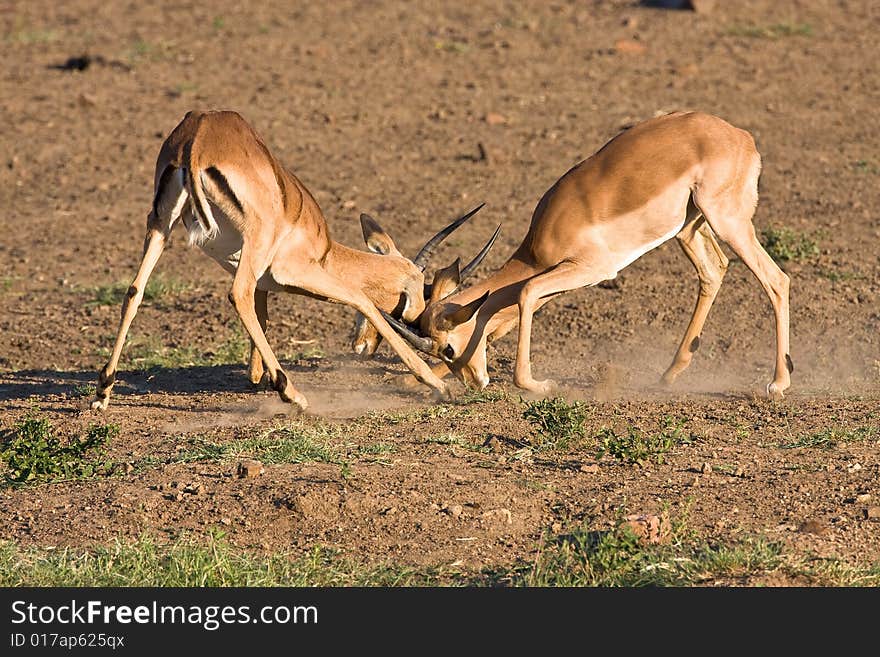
(449, 352)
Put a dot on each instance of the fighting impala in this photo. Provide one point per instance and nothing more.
(686, 175)
(260, 223)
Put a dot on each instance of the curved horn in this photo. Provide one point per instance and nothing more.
(420, 342)
(477, 261)
(421, 259)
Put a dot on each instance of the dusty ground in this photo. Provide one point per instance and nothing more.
(383, 108)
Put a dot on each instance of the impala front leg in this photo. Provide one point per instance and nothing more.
(242, 297)
(256, 369)
(318, 281)
(563, 277)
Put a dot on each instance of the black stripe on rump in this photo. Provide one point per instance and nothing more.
(160, 189)
(223, 185)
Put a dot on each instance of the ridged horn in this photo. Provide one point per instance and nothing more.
(424, 255)
(420, 342)
(472, 266)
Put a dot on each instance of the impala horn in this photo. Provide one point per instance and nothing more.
(421, 260)
(471, 267)
(420, 342)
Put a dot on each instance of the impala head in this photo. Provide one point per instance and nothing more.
(448, 329)
(399, 288)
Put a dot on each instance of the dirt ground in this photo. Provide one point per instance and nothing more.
(414, 112)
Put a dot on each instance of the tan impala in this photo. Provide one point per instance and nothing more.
(686, 175)
(260, 223)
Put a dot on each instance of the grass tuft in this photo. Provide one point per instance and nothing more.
(785, 244)
(774, 31)
(556, 423)
(158, 288)
(638, 447)
(33, 453)
(188, 563)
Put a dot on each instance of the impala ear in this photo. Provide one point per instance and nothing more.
(445, 281)
(377, 240)
(464, 313)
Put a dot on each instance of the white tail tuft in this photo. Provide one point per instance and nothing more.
(205, 227)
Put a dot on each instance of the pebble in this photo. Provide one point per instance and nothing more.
(872, 513)
(249, 469)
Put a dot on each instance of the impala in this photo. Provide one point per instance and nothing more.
(260, 223)
(686, 175)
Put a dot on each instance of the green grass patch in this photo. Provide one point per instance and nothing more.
(639, 447)
(556, 423)
(831, 437)
(186, 562)
(618, 558)
(151, 354)
(866, 167)
(455, 440)
(835, 276)
(33, 453)
(785, 245)
(290, 444)
(774, 31)
(158, 288)
(83, 390)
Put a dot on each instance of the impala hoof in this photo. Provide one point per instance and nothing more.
(544, 387)
(300, 401)
(443, 394)
(774, 392)
(100, 404)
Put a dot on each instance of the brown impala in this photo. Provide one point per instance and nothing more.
(686, 175)
(260, 223)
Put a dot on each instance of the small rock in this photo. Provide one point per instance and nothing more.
(706, 468)
(739, 472)
(225, 521)
(493, 118)
(854, 467)
(249, 469)
(194, 489)
(493, 444)
(630, 47)
(864, 498)
(872, 513)
(348, 205)
(556, 527)
(630, 21)
(590, 468)
(650, 529)
(499, 515)
(453, 510)
(388, 511)
(813, 527)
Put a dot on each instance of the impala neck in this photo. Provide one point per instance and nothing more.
(504, 286)
(360, 269)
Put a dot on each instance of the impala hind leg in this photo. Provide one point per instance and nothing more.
(730, 216)
(702, 249)
(776, 284)
(256, 368)
(168, 204)
(562, 278)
